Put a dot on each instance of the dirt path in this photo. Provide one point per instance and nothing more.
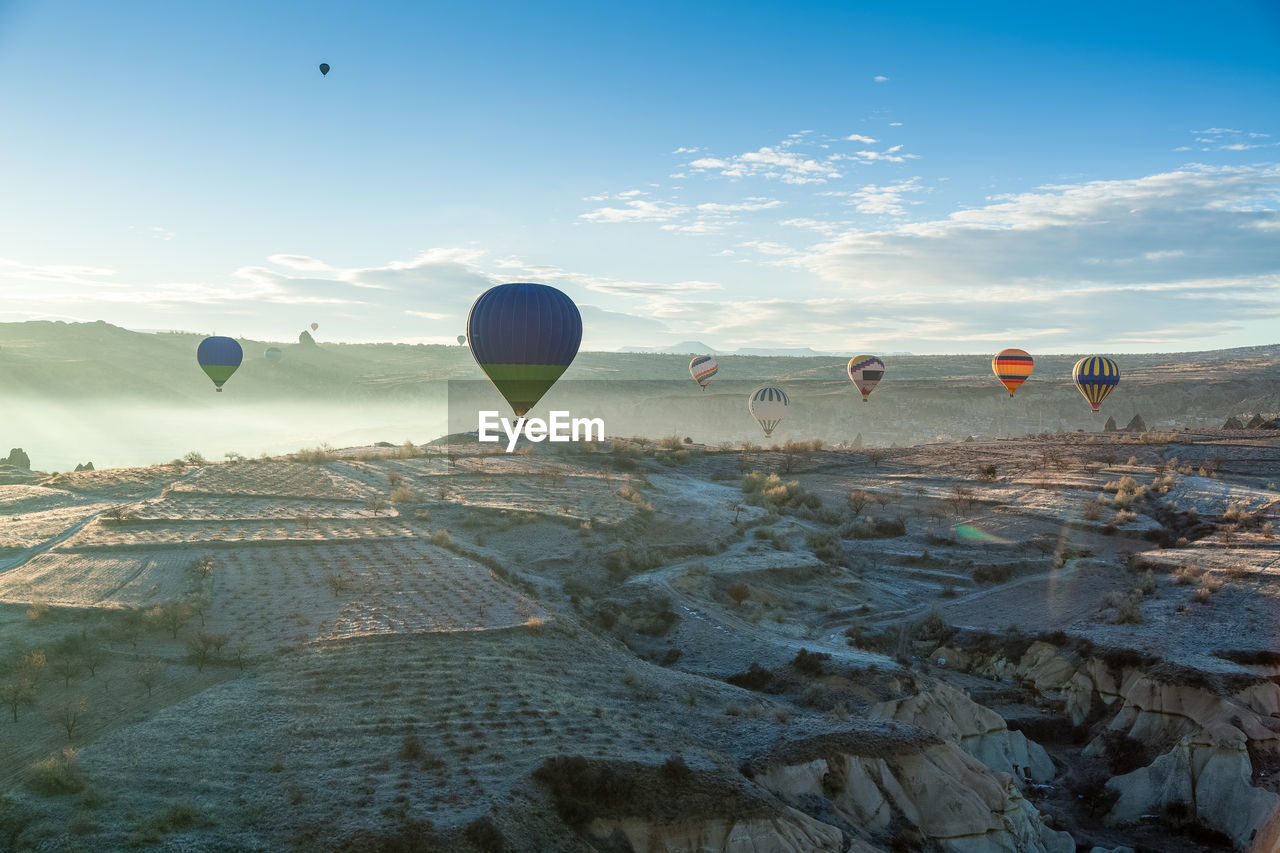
(22, 557)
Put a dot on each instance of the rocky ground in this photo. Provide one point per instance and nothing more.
(1053, 643)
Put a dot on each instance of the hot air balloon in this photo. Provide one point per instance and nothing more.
(866, 371)
(274, 355)
(523, 336)
(462, 339)
(315, 326)
(219, 357)
(768, 405)
(702, 369)
(324, 69)
(1095, 376)
(1012, 367)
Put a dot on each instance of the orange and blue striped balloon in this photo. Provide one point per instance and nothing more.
(1096, 377)
(702, 369)
(1012, 367)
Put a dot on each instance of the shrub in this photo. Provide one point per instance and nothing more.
(1129, 611)
(987, 473)
(411, 749)
(755, 678)
(338, 582)
(314, 455)
(810, 663)
(992, 574)
(483, 834)
(57, 774)
(441, 538)
(825, 545)
(404, 495)
(933, 627)
(1187, 575)
(739, 593)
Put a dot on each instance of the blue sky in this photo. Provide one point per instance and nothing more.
(850, 177)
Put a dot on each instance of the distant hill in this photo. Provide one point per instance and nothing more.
(682, 348)
(69, 361)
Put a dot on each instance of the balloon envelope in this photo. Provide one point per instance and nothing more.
(523, 336)
(315, 326)
(768, 405)
(324, 68)
(218, 358)
(1096, 377)
(702, 369)
(462, 339)
(1012, 367)
(866, 371)
(274, 355)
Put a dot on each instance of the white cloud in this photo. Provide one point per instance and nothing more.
(818, 225)
(749, 204)
(889, 155)
(636, 210)
(771, 161)
(884, 200)
(880, 78)
(857, 137)
(299, 262)
(1165, 228)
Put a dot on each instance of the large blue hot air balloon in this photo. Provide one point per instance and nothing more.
(523, 336)
(219, 357)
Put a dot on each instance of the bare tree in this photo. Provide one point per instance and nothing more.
(376, 505)
(962, 498)
(92, 656)
(876, 455)
(17, 694)
(857, 501)
(171, 616)
(199, 605)
(66, 666)
(886, 498)
(148, 673)
(304, 520)
(70, 715)
(202, 568)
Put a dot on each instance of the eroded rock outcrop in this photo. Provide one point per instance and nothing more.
(1209, 721)
(979, 731)
(948, 796)
(1208, 774)
(789, 832)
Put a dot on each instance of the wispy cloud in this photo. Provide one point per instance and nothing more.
(1227, 139)
(636, 210)
(882, 200)
(880, 78)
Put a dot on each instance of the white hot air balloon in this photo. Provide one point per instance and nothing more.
(768, 405)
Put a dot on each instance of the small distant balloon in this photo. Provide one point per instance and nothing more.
(523, 336)
(702, 369)
(768, 405)
(1096, 377)
(219, 357)
(1012, 367)
(324, 69)
(462, 339)
(274, 355)
(315, 326)
(866, 371)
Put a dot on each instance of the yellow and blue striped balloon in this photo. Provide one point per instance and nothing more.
(1096, 377)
